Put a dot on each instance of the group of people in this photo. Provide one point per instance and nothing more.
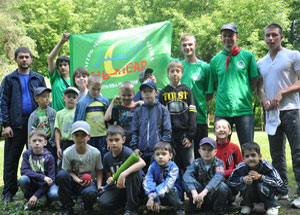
(76, 146)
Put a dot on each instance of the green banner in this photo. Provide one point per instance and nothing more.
(120, 56)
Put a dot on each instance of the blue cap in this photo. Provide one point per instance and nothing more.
(149, 84)
(231, 27)
(39, 90)
(208, 140)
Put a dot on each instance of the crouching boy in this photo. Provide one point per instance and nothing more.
(80, 166)
(127, 189)
(203, 180)
(37, 170)
(256, 179)
(162, 183)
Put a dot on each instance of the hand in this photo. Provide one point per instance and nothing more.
(139, 103)
(101, 189)
(65, 37)
(248, 179)
(32, 201)
(267, 105)
(186, 143)
(116, 99)
(48, 180)
(196, 199)
(277, 100)
(138, 152)
(255, 175)
(121, 181)
(150, 204)
(85, 183)
(156, 207)
(110, 181)
(8, 132)
(59, 153)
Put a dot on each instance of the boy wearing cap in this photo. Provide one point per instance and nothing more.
(234, 73)
(151, 123)
(80, 159)
(43, 117)
(144, 76)
(203, 180)
(63, 121)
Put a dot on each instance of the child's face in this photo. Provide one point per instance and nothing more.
(251, 158)
(94, 89)
(148, 94)
(81, 81)
(70, 100)
(115, 142)
(175, 74)
(63, 68)
(80, 138)
(162, 156)
(37, 144)
(43, 100)
(207, 153)
(188, 46)
(222, 130)
(126, 95)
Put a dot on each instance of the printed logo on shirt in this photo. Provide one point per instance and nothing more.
(196, 76)
(241, 64)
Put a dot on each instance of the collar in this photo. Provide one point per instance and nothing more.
(223, 145)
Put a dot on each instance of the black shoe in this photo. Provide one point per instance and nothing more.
(8, 197)
(128, 212)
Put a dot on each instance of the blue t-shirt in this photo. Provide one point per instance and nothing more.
(26, 99)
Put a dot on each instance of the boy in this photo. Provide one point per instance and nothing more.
(197, 77)
(80, 80)
(150, 123)
(123, 113)
(227, 151)
(64, 119)
(43, 117)
(203, 179)
(37, 170)
(180, 102)
(80, 159)
(91, 109)
(256, 179)
(162, 182)
(59, 73)
(118, 195)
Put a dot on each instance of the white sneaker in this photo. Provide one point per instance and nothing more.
(282, 197)
(296, 203)
(245, 210)
(27, 207)
(272, 211)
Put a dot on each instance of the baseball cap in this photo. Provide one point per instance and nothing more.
(81, 126)
(39, 90)
(144, 73)
(208, 140)
(231, 27)
(71, 89)
(148, 83)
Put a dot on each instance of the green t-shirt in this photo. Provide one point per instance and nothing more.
(197, 77)
(58, 86)
(234, 94)
(63, 121)
(43, 122)
(94, 115)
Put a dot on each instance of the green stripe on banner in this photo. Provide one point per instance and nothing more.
(120, 56)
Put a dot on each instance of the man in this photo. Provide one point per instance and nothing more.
(234, 71)
(17, 103)
(197, 77)
(278, 90)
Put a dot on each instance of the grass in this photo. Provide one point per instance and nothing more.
(260, 137)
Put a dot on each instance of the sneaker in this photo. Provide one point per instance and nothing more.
(27, 207)
(296, 203)
(128, 212)
(272, 211)
(245, 210)
(180, 212)
(282, 197)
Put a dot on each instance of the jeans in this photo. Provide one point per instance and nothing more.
(173, 198)
(100, 144)
(67, 188)
(29, 186)
(290, 126)
(244, 127)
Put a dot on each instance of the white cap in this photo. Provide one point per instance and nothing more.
(81, 126)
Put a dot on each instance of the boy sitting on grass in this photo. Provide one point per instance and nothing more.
(203, 180)
(162, 182)
(256, 179)
(126, 191)
(37, 170)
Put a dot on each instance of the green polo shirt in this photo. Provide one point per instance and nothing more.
(197, 77)
(234, 94)
(58, 86)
